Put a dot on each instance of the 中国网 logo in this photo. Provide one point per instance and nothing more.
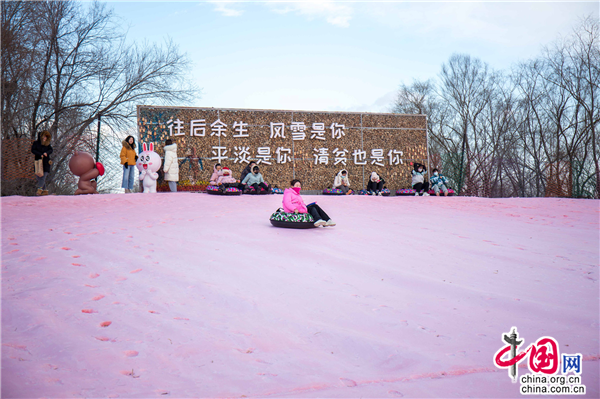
(544, 365)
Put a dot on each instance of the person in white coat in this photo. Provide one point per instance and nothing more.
(342, 181)
(171, 166)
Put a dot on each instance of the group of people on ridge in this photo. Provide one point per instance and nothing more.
(250, 177)
(129, 158)
(376, 182)
(438, 181)
(222, 176)
(342, 182)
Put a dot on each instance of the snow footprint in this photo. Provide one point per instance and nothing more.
(426, 329)
(348, 382)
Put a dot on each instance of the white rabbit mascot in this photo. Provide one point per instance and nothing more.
(148, 164)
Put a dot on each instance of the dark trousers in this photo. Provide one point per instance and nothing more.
(422, 186)
(317, 213)
(372, 186)
(257, 185)
(343, 188)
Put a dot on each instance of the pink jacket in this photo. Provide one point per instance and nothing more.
(226, 179)
(215, 176)
(293, 201)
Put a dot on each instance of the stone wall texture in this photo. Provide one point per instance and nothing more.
(307, 145)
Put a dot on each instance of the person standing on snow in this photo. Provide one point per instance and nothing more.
(42, 149)
(128, 160)
(171, 166)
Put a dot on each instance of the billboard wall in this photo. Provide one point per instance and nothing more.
(307, 145)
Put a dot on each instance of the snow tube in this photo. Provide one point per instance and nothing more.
(250, 190)
(450, 193)
(332, 191)
(385, 192)
(276, 190)
(411, 191)
(405, 191)
(279, 218)
(215, 190)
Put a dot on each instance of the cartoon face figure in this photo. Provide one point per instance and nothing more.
(148, 159)
(81, 163)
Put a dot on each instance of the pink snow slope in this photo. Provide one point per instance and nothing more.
(192, 295)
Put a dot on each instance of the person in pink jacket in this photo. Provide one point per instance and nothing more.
(226, 178)
(293, 203)
(217, 172)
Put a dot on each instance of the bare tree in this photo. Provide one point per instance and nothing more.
(20, 46)
(421, 98)
(414, 99)
(574, 64)
(79, 68)
(466, 87)
(530, 132)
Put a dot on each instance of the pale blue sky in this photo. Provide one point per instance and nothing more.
(340, 56)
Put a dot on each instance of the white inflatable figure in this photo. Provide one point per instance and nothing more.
(148, 164)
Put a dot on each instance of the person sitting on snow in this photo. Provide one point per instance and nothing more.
(342, 182)
(227, 179)
(418, 179)
(217, 172)
(247, 170)
(438, 182)
(293, 203)
(375, 184)
(255, 180)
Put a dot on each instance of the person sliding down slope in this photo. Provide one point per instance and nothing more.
(293, 203)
